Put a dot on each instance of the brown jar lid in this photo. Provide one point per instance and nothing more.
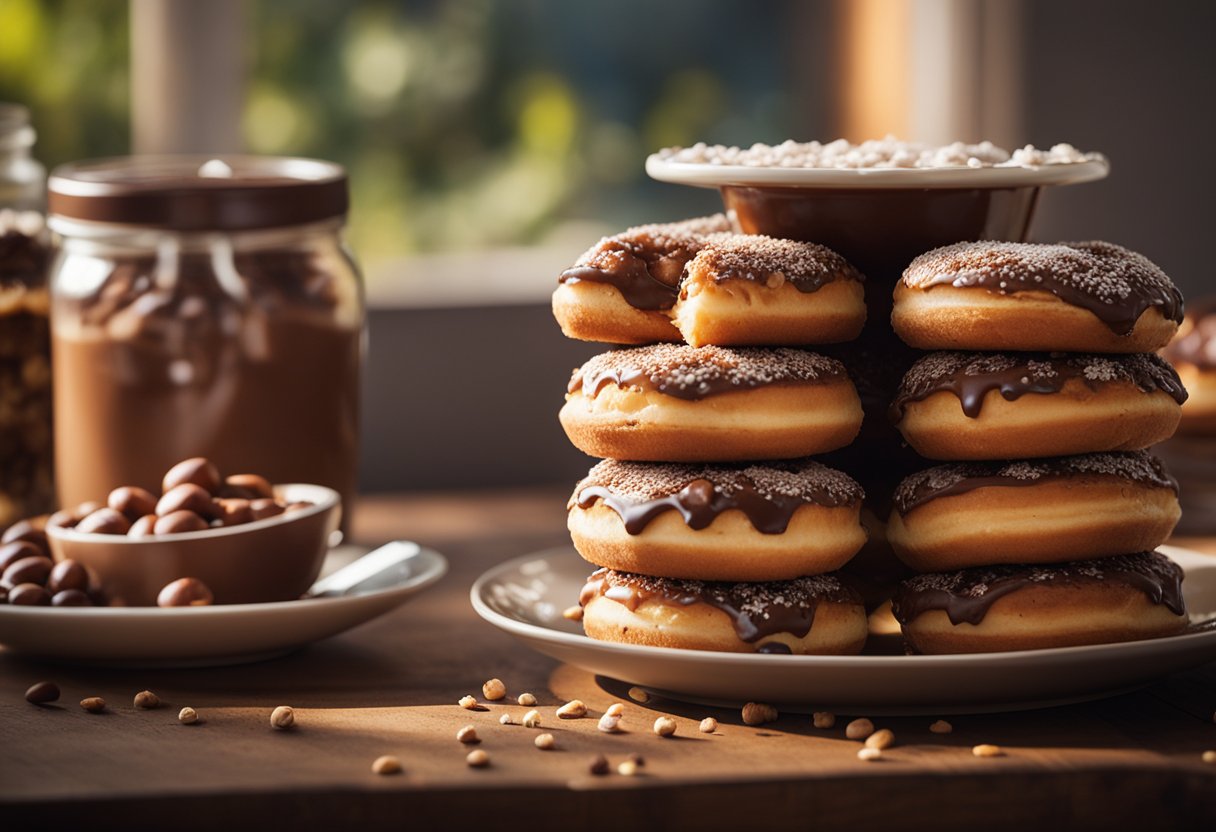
(198, 193)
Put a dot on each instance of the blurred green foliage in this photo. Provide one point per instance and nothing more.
(464, 123)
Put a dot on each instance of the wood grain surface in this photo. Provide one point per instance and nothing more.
(391, 687)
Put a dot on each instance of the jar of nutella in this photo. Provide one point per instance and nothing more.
(203, 307)
(25, 342)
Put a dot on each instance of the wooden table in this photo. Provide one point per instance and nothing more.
(391, 686)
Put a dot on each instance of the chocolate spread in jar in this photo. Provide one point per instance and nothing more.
(256, 369)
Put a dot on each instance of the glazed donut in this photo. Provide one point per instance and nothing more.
(1193, 354)
(691, 282)
(716, 522)
(819, 615)
(622, 289)
(999, 608)
(1081, 297)
(1032, 511)
(675, 403)
(967, 406)
(755, 290)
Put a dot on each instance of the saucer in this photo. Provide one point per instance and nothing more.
(526, 596)
(221, 634)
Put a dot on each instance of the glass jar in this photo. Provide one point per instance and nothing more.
(25, 344)
(203, 307)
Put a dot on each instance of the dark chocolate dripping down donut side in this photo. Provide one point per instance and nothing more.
(1014, 382)
(951, 480)
(700, 503)
(633, 280)
(755, 617)
(968, 595)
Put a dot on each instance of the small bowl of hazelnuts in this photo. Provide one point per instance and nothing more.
(211, 538)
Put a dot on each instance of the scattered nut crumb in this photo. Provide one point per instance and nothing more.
(859, 729)
(468, 735)
(386, 765)
(147, 700)
(615, 709)
(941, 727)
(639, 695)
(282, 717)
(505, 719)
(869, 754)
(599, 764)
(532, 719)
(93, 704)
(477, 758)
(708, 725)
(574, 709)
(494, 690)
(574, 613)
(187, 716)
(609, 724)
(987, 750)
(757, 713)
(545, 742)
(471, 704)
(665, 726)
(823, 719)
(526, 699)
(41, 693)
(1208, 757)
(880, 739)
(628, 768)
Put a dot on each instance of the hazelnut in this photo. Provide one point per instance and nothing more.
(386, 765)
(574, 709)
(708, 725)
(147, 700)
(532, 719)
(468, 735)
(195, 471)
(185, 592)
(880, 739)
(282, 717)
(941, 727)
(615, 709)
(252, 484)
(988, 750)
(187, 716)
(104, 521)
(477, 758)
(179, 522)
(68, 574)
(526, 699)
(132, 501)
(859, 729)
(757, 713)
(599, 765)
(93, 704)
(186, 497)
(869, 753)
(42, 692)
(494, 690)
(823, 719)
(665, 726)
(609, 724)
(545, 742)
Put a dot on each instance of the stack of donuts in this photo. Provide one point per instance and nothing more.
(1042, 395)
(710, 525)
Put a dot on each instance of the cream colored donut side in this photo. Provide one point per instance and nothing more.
(818, 539)
(1061, 519)
(838, 628)
(945, 317)
(1117, 416)
(777, 421)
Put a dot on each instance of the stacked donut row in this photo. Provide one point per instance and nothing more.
(712, 527)
(1041, 532)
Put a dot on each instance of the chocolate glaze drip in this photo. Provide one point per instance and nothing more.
(1196, 343)
(756, 610)
(949, 480)
(1016, 376)
(632, 279)
(967, 595)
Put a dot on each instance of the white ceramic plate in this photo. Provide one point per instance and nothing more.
(206, 636)
(705, 175)
(526, 597)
